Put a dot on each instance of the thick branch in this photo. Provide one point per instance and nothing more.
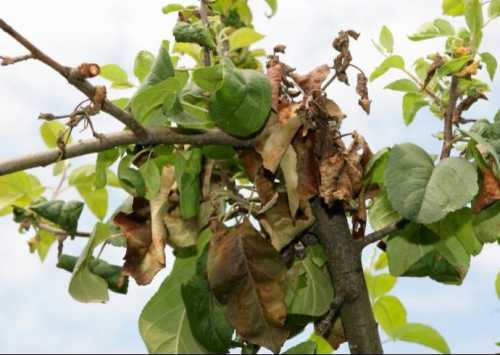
(382, 233)
(81, 84)
(155, 136)
(448, 119)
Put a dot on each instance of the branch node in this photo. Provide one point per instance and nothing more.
(85, 71)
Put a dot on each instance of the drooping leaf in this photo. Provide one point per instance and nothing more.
(390, 314)
(420, 192)
(387, 39)
(85, 286)
(242, 104)
(206, 316)
(51, 131)
(243, 37)
(187, 173)
(437, 28)
(491, 64)
(423, 335)
(143, 63)
(18, 189)
(403, 85)
(64, 214)
(412, 103)
(312, 81)
(247, 275)
(289, 168)
(394, 61)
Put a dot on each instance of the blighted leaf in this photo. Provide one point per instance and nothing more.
(412, 103)
(248, 276)
(85, 286)
(145, 255)
(489, 191)
(51, 131)
(182, 233)
(113, 275)
(18, 189)
(241, 106)
(281, 227)
(275, 71)
(437, 28)
(394, 61)
(312, 81)
(164, 324)
(193, 33)
(243, 37)
(423, 335)
(206, 316)
(263, 180)
(64, 214)
(274, 141)
(420, 192)
(307, 166)
(390, 314)
(187, 174)
(143, 63)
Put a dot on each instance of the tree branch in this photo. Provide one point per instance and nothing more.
(448, 119)
(13, 60)
(155, 136)
(77, 81)
(57, 231)
(204, 19)
(381, 234)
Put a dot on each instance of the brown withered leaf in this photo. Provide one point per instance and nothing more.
(344, 58)
(263, 179)
(248, 277)
(142, 260)
(307, 166)
(276, 137)
(275, 73)
(281, 227)
(182, 233)
(342, 173)
(489, 192)
(437, 63)
(311, 82)
(362, 91)
(329, 108)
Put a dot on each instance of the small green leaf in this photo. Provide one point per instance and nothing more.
(273, 4)
(394, 61)
(307, 347)
(64, 214)
(243, 37)
(143, 63)
(96, 199)
(412, 103)
(116, 75)
(104, 160)
(45, 241)
(187, 174)
(381, 262)
(379, 285)
(423, 335)
(121, 102)
(322, 346)
(209, 78)
(437, 28)
(193, 50)
(497, 285)
(390, 314)
(491, 64)
(494, 9)
(403, 85)
(172, 8)
(51, 131)
(454, 7)
(151, 175)
(387, 39)
(18, 189)
(475, 21)
(130, 179)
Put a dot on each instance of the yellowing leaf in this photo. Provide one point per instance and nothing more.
(243, 37)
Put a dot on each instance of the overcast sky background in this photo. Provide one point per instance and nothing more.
(36, 312)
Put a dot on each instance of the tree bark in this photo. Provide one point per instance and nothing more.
(346, 272)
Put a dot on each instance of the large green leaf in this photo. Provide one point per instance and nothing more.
(18, 189)
(454, 7)
(206, 316)
(437, 28)
(162, 68)
(423, 193)
(314, 295)
(243, 37)
(85, 286)
(390, 314)
(423, 335)
(394, 61)
(187, 174)
(241, 106)
(163, 324)
(64, 214)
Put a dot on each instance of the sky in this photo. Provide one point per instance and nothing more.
(37, 315)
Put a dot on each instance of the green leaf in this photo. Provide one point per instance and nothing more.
(191, 49)
(143, 63)
(387, 39)
(453, 66)
(497, 285)
(307, 347)
(104, 160)
(273, 4)
(412, 103)
(64, 214)
(243, 37)
(209, 78)
(487, 224)
(241, 106)
(423, 335)
(85, 286)
(494, 9)
(381, 214)
(151, 175)
(121, 103)
(381, 262)
(58, 168)
(187, 174)
(44, 241)
(390, 314)
(403, 85)
(475, 21)
(96, 199)
(206, 316)
(322, 346)
(454, 7)
(116, 75)
(374, 171)
(172, 8)
(130, 179)
(437, 28)
(163, 324)
(50, 132)
(18, 189)
(379, 285)
(423, 193)
(193, 33)
(315, 295)
(491, 64)
(394, 61)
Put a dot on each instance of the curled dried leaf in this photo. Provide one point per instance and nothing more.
(362, 91)
(279, 48)
(263, 180)
(311, 82)
(489, 192)
(344, 58)
(307, 166)
(275, 72)
(437, 63)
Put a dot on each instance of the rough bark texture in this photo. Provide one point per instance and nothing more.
(346, 271)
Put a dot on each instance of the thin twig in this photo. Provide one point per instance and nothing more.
(448, 119)
(81, 84)
(58, 231)
(381, 234)
(13, 60)
(324, 325)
